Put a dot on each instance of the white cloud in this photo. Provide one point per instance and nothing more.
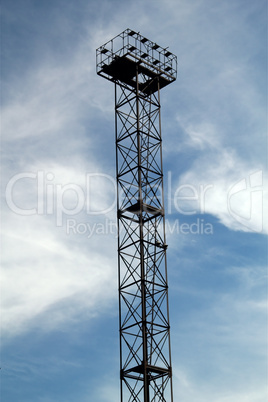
(47, 278)
(221, 114)
(54, 266)
(50, 277)
(201, 136)
(227, 185)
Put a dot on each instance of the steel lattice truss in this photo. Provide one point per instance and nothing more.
(144, 327)
(143, 291)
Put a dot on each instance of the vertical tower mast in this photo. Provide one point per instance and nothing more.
(140, 68)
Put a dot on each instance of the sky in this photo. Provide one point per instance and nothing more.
(59, 299)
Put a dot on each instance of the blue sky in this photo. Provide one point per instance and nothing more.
(59, 320)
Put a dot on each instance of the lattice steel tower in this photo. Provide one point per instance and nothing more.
(140, 68)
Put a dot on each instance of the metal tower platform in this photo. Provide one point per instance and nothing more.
(118, 59)
(140, 68)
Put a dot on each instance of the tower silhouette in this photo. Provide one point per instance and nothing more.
(140, 68)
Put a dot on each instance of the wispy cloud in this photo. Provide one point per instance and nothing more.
(226, 186)
(46, 279)
(48, 276)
